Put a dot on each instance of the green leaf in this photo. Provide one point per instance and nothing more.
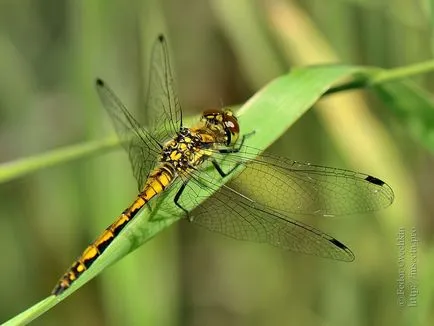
(413, 107)
(270, 112)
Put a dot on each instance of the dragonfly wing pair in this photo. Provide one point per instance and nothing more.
(258, 203)
(163, 120)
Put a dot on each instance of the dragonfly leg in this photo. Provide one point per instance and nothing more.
(178, 195)
(221, 172)
(238, 148)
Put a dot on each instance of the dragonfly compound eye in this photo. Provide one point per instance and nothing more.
(224, 121)
(232, 128)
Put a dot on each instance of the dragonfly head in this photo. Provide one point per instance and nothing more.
(224, 123)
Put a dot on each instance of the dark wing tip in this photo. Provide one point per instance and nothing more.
(350, 256)
(161, 37)
(374, 180)
(386, 190)
(99, 82)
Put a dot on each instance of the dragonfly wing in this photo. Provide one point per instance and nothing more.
(240, 217)
(303, 188)
(142, 147)
(162, 103)
(163, 110)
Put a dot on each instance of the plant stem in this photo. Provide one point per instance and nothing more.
(21, 167)
(384, 76)
(402, 72)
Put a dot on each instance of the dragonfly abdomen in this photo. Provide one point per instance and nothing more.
(158, 180)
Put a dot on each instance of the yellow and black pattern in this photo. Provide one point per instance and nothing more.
(178, 156)
(158, 182)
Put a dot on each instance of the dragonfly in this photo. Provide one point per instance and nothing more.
(264, 192)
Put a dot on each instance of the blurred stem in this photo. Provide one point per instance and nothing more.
(403, 72)
(384, 76)
(21, 167)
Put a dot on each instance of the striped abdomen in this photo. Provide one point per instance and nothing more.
(157, 182)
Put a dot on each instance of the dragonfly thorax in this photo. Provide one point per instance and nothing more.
(184, 150)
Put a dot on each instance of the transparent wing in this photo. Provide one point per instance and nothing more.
(303, 188)
(142, 147)
(238, 216)
(162, 104)
(162, 108)
(256, 204)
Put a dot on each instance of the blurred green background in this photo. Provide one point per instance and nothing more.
(223, 51)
